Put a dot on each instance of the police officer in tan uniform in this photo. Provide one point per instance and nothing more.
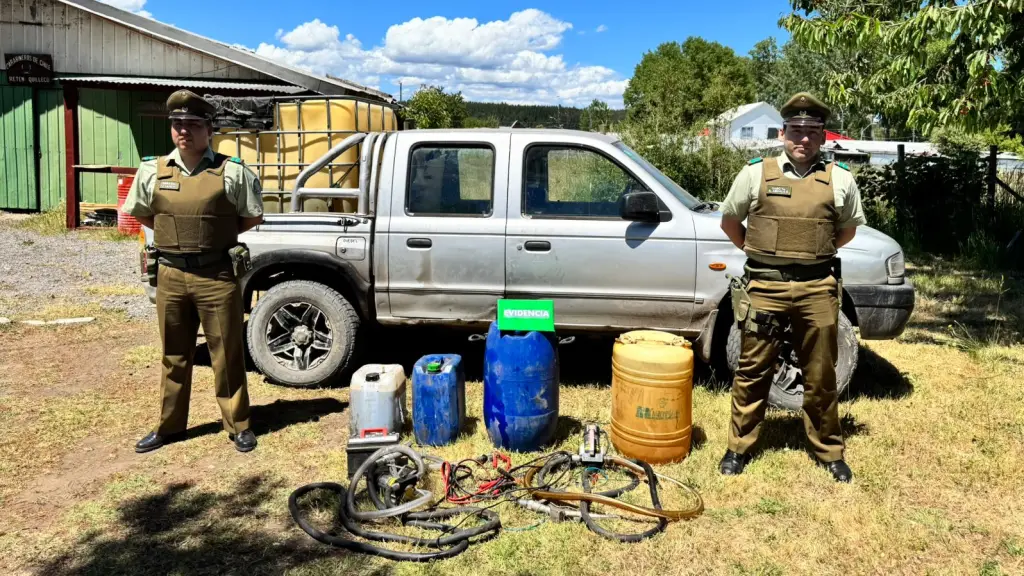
(197, 202)
(799, 211)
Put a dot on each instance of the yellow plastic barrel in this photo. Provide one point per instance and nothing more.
(652, 396)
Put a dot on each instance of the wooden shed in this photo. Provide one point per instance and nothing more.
(82, 90)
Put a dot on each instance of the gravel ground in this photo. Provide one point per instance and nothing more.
(64, 266)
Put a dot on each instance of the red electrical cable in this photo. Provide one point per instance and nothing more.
(484, 490)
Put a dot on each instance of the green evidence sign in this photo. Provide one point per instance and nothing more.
(526, 315)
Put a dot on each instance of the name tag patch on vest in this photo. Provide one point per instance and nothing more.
(780, 191)
(170, 186)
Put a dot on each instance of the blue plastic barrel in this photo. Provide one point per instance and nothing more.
(520, 389)
(438, 399)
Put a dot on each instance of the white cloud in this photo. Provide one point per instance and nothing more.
(505, 60)
(601, 28)
(465, 42)
(134, 6)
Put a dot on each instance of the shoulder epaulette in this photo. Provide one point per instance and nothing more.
(843, 166)
(148, 158)
(755, 161)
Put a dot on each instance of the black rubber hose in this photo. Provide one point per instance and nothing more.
(354, 545)
(652, 481)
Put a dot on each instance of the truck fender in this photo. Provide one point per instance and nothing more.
(304, 264)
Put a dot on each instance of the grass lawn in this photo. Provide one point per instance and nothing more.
(934, 425)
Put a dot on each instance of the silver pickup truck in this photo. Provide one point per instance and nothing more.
(446, 222)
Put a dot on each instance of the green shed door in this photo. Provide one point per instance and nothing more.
(49, 105)
(118, 128)
(17, 149)
(105, 138)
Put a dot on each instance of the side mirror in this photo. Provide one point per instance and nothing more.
(641, 207)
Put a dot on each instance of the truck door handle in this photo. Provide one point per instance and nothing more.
(538, 246)
(419, 243)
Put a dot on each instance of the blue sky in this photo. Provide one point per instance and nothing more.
(567, 52)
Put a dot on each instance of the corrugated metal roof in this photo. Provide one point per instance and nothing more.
(184, 83)
(246, 58)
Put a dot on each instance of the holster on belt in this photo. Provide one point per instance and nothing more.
(747, 317)
(241, 261)
(152, 256)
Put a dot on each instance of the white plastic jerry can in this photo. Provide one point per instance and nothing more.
(377, 399)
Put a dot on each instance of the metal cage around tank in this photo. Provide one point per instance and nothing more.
(293, 158)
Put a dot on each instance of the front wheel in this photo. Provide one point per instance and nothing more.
(302, 333)
(787, 390)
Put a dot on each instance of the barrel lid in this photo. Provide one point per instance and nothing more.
(433, 367)
(653, 337)
(373, 377)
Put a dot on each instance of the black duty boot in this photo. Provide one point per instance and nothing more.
(152, 441)
(733, 463)
(839, 470)
(244, 441)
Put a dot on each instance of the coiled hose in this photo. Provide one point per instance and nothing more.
(452, 543)
(652, 482)
(637, 467)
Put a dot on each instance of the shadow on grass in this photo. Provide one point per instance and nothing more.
(267, 418)
(877, 378)
(189, 530)
(566, 428)
(698, 438)
(979, 308)
(785, 430)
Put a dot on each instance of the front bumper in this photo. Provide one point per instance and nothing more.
(883, 310)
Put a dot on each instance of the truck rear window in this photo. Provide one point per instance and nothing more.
(450, 180)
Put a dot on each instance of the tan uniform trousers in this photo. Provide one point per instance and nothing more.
(184, 299)
(813, 309)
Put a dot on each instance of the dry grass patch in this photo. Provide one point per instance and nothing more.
(115, 290)
(48, 223)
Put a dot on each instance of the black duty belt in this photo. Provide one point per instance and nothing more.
(792, 272)
(189, 261)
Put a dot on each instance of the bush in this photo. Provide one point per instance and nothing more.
(703, 165)
(939, 205)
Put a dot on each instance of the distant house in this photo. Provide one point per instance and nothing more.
(757, 121)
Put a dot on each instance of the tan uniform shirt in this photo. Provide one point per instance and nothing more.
(242, 185)
(746, 188)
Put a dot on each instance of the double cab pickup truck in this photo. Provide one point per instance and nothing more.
(446, 222)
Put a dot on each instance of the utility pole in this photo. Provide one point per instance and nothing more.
(400, 91)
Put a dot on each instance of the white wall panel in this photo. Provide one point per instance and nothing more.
(83, 43)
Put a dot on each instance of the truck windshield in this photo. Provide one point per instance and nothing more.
(685, 197)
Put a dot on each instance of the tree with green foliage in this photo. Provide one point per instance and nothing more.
(765, 60)
(431, 107)
(596, 117)
(474, 122)
(681, 85)
(781, 72)
(946, 62)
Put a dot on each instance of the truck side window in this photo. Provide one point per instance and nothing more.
(570, 182)
(451, 180)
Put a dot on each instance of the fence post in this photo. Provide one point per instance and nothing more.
(901, 156)
(993, 151)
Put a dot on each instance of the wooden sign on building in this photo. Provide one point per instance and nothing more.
(29, 69)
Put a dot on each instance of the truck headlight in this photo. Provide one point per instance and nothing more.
(895, 265)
